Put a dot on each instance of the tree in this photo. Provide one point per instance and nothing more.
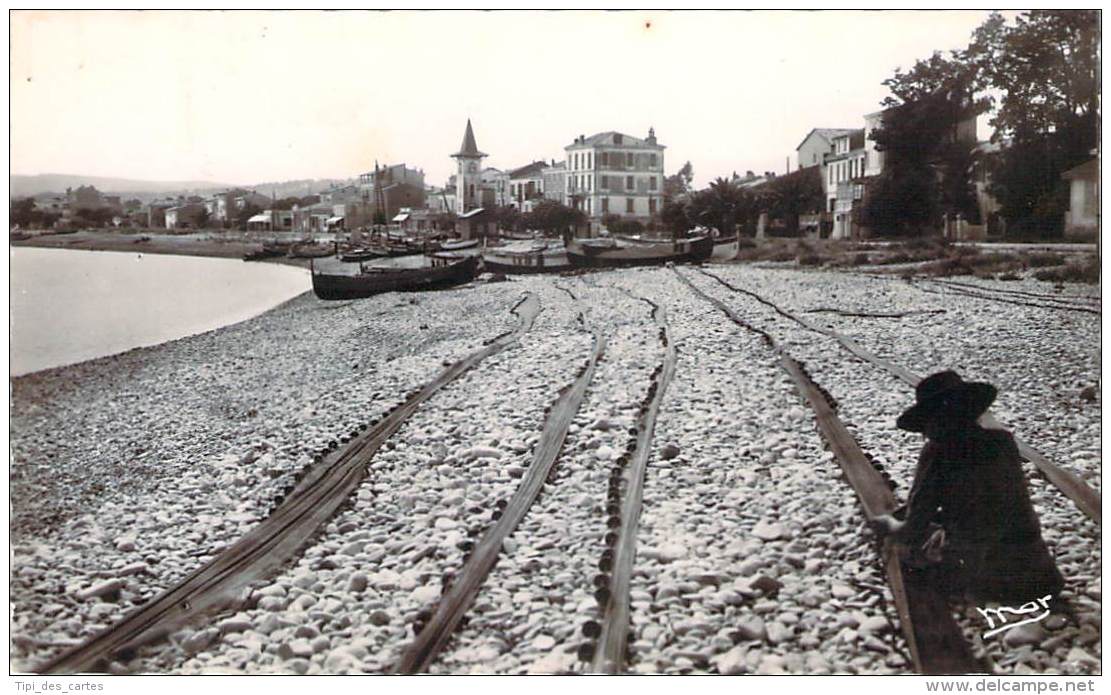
(508, 217)
(789, 196)
(678, 184)
(721, 206)
(927, 136)
(1045, 66)
(22, 212)
(554, 218)
(249, 210)
(203, 217)
(610, 220)
(676, 217)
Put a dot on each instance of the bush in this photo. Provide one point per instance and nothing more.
(1041, 260)
(809, 259)
(1087, 273)
(860, 259)
(897, 257)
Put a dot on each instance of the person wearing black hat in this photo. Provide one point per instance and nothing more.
(970, 527)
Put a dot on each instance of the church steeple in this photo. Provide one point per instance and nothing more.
(469, 148)
(468, 175)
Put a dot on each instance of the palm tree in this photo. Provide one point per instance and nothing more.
(720, 206)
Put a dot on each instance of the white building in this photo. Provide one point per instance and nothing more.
(526, 185)
(468, 174)
(615, 173)
(839, 169)
(816, 145)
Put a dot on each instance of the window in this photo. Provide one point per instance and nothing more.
(590, 183)
(602, 156)
(651, 206)
(651, 183)
(652, 160)
(629, 160)
(605, 182)
(628, 205)
(629, 185)
(589, 160)
(605, 204)
(617, 138)
(570, 183)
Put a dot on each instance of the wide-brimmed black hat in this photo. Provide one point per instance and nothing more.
(945, 395)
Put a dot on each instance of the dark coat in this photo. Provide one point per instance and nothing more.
(970, 482)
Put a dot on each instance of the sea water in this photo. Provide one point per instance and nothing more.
(68, 306)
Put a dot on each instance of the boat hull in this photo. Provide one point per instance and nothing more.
(726, 249)
(336, 287)
(639, 253)
(525, 263)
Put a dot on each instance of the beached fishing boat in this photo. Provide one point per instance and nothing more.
(609, 252)
(310, 249)
(442, 270)
(264, 253)
(459, 244)
(361, 253)
(725, 248)
(526, 257)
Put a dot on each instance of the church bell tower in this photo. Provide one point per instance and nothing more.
(468, 174)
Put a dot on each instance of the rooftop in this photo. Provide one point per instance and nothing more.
(469, 148)
(826, 133)
(614, 138)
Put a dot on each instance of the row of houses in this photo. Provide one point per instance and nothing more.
(849, 162)
(608, 173)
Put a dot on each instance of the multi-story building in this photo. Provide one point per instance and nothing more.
(526, 185)
(156, 214)
(497, 181)
(816, 145)
(399, 185)
(555, 179)
(185, 216)
(842, 192)
(614, 173)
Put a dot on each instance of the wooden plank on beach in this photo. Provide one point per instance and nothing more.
(610, 655)
(276, 539)
(933, 636)
(1071, 485)
(458, 598)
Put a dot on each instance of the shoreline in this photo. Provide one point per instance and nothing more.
(161, 244)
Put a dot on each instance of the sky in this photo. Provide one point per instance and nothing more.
(247, 97)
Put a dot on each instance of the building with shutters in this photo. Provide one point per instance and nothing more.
(615, 173)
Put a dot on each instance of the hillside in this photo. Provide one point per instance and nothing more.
(22, 186)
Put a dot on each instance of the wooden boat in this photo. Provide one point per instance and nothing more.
(263, 254)
(445, 271)
(518, 259)
(459, 245)
(725, 248)
(608, 252)
(310, 250)
(361, 253)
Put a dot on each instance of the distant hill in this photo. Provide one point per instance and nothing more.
(23, 186)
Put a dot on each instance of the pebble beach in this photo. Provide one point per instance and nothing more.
(753, 557)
